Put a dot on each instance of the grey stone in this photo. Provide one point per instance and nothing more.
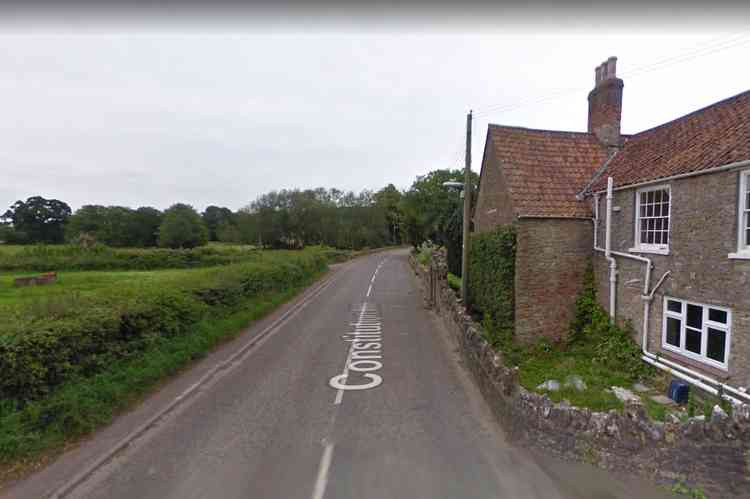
(576, 382)
(673, 418)
(625, 395)
(551, 385)
(718, 414)
(640, 387)
(663, 400)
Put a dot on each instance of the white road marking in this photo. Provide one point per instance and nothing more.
(325, 465)
(369, 290)
(345, 374)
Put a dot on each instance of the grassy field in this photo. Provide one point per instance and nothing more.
(74, 353)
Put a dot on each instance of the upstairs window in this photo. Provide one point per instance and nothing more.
(652, 208)
(701, 332)
(744, 216)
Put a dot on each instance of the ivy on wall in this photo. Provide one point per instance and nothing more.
(492, 258)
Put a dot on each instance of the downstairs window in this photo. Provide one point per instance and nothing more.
(697, 331)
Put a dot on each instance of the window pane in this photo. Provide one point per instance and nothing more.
(695, 316)
(649, 210)
(657, 238)
(643, 236)
(657, 196)
(717, 315)
(643, 210)
(650, 197)
(692, 340)
(644, 200)
(747, 237)
(673, 331)
(716, 344)
(651, 224)
(665, 195)
(657, 224)
(665, 224)
(674, 306)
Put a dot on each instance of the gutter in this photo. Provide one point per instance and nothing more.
(693, 377)
(728, 166)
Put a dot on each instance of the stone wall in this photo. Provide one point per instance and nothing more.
(703, 231)
(551, 259)
(713, 454)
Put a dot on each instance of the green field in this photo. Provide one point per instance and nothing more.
(74, 352)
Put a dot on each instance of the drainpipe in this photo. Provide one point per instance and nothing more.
(608, 252)
(693, 377)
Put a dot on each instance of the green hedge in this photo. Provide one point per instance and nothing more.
(38, 355)
(492, 257)
(42, 258)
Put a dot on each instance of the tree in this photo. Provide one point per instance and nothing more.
(182, 227)
(214, 216)
(145, 226)
(41, 220)
(388, 199)
(427, 206)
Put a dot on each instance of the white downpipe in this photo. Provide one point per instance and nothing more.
(692, 377)
(608, 253)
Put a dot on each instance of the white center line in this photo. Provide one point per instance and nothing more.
(325, 465)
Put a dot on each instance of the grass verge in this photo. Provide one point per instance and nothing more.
(79, 406)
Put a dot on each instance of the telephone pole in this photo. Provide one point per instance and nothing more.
(467, 215)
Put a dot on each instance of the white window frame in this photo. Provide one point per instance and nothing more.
(743, 218)
(682, 317)
(639, 247)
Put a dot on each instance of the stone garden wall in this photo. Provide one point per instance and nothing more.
(714, 455)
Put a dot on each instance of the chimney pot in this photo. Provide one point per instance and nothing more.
(611, 67)
(598, 75)
(605, 104)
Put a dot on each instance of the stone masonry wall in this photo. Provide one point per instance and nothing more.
(703, 231)
(713, 454)
(494, 206)
(551, 258)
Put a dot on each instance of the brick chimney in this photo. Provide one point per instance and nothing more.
(605, 104)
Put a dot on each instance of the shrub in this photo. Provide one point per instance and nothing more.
(38, 354)
(424, 252)
(454, 282)
(182, 227)
(491, 262)
(612, 345)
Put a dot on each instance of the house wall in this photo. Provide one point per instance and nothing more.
(551, 258)
(703, 231)
(494, 206)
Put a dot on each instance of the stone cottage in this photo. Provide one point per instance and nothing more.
(675, 261)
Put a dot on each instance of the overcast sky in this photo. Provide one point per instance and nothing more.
(142, 112)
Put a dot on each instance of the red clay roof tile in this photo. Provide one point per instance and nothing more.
(710, 137)
(545, 169)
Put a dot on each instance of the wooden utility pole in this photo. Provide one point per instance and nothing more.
(467, 215)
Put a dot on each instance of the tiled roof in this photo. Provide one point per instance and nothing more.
(713, 136)
(545, 169)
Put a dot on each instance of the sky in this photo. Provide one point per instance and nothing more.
(218, 107)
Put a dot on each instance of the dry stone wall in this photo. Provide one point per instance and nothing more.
(713, 454)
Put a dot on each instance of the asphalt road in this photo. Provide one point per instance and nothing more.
(272, 426)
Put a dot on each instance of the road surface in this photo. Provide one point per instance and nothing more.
(273, 426)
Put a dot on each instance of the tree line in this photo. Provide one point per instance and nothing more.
(287, 218)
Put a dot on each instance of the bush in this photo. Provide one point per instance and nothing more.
(182, 227)
(454, 282)
(491, 260)
(38, 354)
(424, 252)
(611, 344)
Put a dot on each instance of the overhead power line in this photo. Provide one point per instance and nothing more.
(707, 48)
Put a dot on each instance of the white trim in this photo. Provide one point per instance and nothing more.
(648, 248)
(743, 255)
(728, 166)
(742, 213)
(639, 247)
(706, 323)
